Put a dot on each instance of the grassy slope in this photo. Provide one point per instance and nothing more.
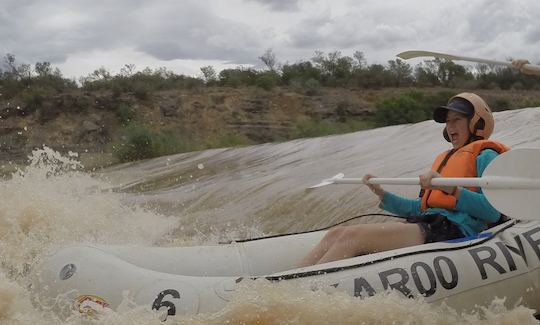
(97, 124)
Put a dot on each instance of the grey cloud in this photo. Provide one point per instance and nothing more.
(279, 5)
(499, 28)
(42, 32)
(533, 35)
(196, 34)
(349, 31)
(189, 29)
(473, 27)
(485, 20)
(309, 32)
(532, 30)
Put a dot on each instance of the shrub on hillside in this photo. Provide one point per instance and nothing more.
(171, 141)
(375, 76)
(18, 78)
(411, 107)
(438, 98)
(299, 72)
(267, 80)
(312, 87)
(530, 102)
(125, 113)
(139, 144)
(190, 83)
(237, 77)
(398, 110)
(141, 83)
(342, 110)
(319, 128)
(141, 90)
(501, 104)
(142, 143)
(34, 97)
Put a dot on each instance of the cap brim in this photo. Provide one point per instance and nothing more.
(439, 114)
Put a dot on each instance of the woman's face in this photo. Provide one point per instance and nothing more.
(457, 126)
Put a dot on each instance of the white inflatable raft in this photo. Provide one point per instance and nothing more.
(501, 262)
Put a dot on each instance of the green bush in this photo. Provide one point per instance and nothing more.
(375, 76)
(125, 114)
(139, 144)
(318, 128)
(312, 87)
(142, 143)
(406, 108)
(231, 140)
(299, 72)
(10, 88)
(342, 109)
(530, 103)
(237, 77)
(233, 81)
(141, 90)
(411, 107)
(117, 90)
(439, 98)
(142, 84)
(171, 141)
(34, 97)
(190, 83)
(267, 80)
(81, 103)
(501, 104)
(399, 110)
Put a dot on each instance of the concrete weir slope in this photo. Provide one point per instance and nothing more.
(264, 186)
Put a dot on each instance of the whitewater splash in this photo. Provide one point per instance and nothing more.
(51, 204)
(225, 194)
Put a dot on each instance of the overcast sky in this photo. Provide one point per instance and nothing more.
(184, 35)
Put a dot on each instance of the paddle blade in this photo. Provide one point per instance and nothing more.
(418, 54)
(328, 181)
(517, 203)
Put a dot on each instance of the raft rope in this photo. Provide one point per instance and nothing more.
(308, 231)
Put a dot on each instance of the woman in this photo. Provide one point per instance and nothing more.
(440, 213)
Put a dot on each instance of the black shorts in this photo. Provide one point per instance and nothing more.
(436, 228)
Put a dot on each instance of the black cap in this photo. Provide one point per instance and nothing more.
(457, 104)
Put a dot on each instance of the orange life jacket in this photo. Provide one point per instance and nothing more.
(461, 163)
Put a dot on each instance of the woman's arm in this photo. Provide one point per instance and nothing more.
(400, 206)
(393, 203)
(476, 203)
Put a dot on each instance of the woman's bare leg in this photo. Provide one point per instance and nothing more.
(349, 241)
(322, 247)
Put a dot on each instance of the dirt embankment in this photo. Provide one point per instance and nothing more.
(91, 123)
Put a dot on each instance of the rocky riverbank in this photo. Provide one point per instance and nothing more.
(96, 124)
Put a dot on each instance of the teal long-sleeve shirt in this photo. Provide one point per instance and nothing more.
(472, 212)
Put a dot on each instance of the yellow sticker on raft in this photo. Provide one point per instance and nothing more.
(90, 304)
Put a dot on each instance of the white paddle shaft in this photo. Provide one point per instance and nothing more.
(484, 182)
